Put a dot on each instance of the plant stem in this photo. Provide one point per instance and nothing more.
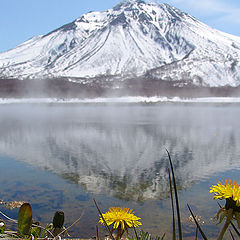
(176, 197)
(228, 221)
(103, 220)
(173, 215)
(119, 232)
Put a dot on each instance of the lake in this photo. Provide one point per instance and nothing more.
(61, 156)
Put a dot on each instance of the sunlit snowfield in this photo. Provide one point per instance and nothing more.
(61, 156)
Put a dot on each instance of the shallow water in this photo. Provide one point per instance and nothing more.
(61, 156)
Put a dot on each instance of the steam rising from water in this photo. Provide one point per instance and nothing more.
(120, 150)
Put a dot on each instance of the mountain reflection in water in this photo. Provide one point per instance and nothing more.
(120, 150)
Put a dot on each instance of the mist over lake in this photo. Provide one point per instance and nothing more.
(61, 156)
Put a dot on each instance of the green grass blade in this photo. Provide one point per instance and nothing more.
(163, 236)
(196, 222)
(135, 232)
(97, 233)
(103, 219)
(231, 234)
(173, 214)
(176, 197)
(234, 227)
(196, 235)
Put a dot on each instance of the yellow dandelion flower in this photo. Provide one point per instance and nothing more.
(122, 217)
(228, 190)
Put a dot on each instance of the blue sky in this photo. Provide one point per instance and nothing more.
(23, 19)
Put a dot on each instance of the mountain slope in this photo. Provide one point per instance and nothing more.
(133, 39)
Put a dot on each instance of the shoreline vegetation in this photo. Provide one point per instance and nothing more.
(117, 221)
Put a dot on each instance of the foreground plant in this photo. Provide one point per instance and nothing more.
(230, 191)
(25, 219)
(27, 229)
(146, 236)
(123, 219)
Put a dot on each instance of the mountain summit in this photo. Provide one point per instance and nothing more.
(134, 39)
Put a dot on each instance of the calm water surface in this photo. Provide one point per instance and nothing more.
(62, 156)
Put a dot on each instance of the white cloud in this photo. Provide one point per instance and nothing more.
(222, 10)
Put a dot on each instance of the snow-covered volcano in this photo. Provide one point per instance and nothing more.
(133, 39)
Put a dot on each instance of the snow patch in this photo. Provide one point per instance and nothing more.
(137, 99)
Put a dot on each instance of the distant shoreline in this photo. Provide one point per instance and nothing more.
(130, 99)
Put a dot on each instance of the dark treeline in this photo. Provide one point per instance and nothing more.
(99, 87)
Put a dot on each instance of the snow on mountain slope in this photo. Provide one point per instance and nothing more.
(132, 39)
